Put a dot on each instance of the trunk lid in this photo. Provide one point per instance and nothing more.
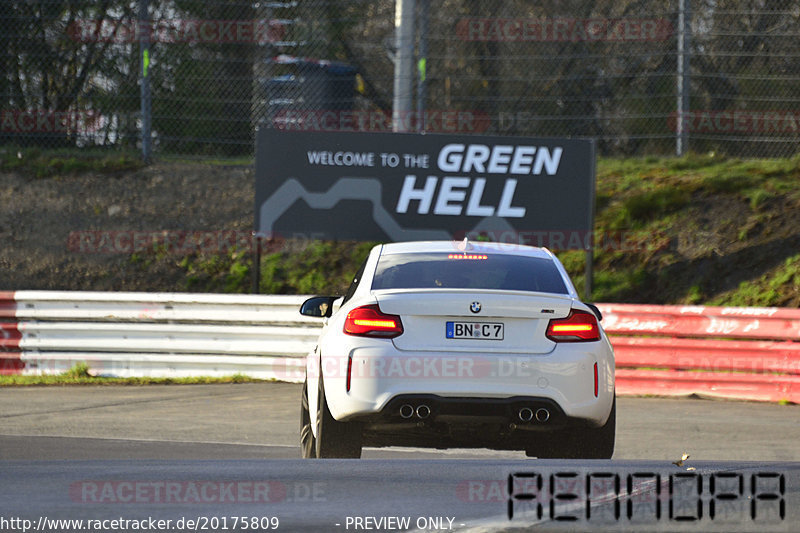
(426, 312)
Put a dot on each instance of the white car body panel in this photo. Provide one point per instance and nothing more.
(423, 361)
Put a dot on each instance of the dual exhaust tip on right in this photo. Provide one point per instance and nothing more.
(526, 414)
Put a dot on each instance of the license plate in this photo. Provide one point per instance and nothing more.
(474, 330)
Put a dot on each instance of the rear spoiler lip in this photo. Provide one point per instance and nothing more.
(556, 296)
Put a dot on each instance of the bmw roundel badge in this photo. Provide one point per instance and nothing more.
(475, 307)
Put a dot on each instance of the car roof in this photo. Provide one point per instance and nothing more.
(471, 247)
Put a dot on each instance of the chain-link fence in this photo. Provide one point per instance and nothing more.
(643, 77)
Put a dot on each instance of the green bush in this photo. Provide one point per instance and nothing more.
(78, 371)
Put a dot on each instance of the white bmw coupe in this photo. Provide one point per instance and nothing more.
(447, 345)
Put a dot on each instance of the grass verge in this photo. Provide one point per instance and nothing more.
(47, 163)
(80, 374)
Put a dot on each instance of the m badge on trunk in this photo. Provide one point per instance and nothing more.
(475, 307)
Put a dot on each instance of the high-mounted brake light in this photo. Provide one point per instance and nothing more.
(370, 321)
(468, 256)
(579, 326)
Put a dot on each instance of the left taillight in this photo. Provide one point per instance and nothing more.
(370, 321)
(579, 326)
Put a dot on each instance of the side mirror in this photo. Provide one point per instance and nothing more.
(318, 306)
(595, 310)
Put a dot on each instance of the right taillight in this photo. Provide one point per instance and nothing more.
(370, 321)
(579, 326)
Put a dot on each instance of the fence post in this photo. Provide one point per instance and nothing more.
(683, 52)
(144, 49)
(256, 272)
(422, 64)
(403, 63)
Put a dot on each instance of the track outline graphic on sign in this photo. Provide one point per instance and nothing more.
(347, 188)
(368, 189)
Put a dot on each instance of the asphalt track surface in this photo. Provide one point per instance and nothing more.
(261, 421)
(79, 452)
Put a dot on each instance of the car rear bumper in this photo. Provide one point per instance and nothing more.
(381, 378)
(432, 408)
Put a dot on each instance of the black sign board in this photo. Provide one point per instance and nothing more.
(399, 187)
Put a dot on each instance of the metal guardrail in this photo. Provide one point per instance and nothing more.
(154, 307)
(730, 352)
(155, 334)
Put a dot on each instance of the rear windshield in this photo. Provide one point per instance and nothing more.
(470, 271)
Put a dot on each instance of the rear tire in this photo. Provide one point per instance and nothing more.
(555, 445)
(585, 443)
(334, 438)
(600, 441)
(308, 444)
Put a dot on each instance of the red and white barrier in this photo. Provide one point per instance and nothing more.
(728, 352)
(10, 355)
(700, 321)
(747, 353)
